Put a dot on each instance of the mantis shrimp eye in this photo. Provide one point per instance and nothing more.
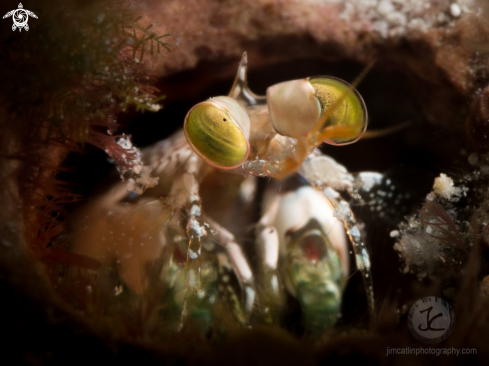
(296, 107)
(218, 131)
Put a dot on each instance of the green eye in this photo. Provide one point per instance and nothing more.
(218, 131)
(296, 107)
(348, 118)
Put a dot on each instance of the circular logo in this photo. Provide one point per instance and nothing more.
(20, 17)
(431, 319)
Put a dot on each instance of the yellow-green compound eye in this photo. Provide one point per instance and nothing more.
(218, 131)
(348, 118)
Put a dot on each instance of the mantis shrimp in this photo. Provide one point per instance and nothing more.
(187, 224)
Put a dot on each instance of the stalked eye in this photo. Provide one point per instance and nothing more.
(218, 131)
(296, 107)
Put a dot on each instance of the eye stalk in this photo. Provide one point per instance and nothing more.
(324, 103)
(293, 107)
(218, 130)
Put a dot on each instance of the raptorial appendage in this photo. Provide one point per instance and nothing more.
(312, 255)
(328, 176)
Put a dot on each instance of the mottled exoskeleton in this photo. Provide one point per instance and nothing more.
(187, 225)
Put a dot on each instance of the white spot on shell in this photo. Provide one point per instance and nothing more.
(197, 228)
